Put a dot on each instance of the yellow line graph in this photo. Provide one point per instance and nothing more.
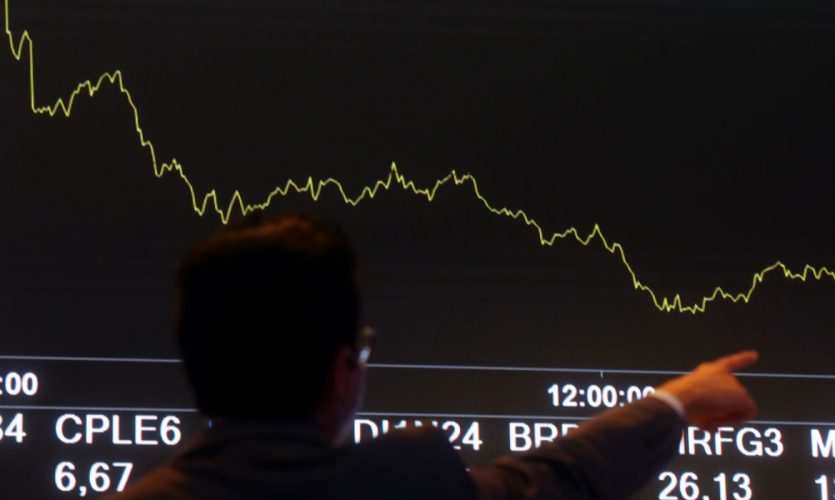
(24, 46)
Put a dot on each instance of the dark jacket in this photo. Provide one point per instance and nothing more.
(608, 457)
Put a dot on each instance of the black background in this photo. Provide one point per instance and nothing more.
(696, 134)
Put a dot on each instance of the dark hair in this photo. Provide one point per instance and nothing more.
(262, 314)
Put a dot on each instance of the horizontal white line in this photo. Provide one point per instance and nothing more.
(490, 416)
(97, 408)
(486, 416)
(520, 369)
(597, 371)
(413, 366)
(92, 359)
(792, 422)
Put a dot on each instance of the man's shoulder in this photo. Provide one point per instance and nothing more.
(422, 447)
(416, 455)
(408, 464)
(426, 439)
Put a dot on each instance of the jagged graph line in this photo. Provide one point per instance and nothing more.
(24, 45)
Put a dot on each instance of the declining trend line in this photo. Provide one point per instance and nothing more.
(24, 46)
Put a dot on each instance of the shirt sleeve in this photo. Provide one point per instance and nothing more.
(608, 457)
(671, 400)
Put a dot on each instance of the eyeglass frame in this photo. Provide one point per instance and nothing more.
(364, 345)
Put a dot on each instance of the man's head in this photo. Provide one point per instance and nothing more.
(265, 313)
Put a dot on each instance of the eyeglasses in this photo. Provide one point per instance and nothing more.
(365, 345)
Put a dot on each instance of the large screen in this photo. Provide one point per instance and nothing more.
(558, 205)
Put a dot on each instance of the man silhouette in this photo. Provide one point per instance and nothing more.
(269, 328)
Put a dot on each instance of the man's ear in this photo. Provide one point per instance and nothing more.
(344, 373)
(340, 394)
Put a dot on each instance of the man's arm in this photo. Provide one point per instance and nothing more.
(609, 456)
(613, 455)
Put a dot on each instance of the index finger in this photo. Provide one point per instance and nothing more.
(738, 361)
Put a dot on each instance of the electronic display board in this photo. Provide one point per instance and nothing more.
(558, 205)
